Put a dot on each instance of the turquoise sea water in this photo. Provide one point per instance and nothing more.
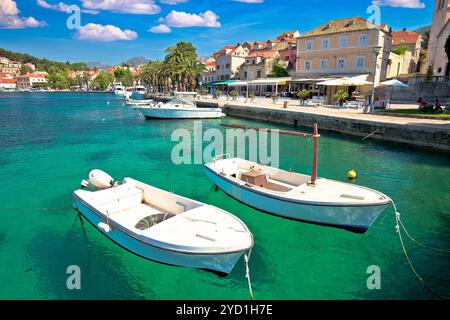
(49, 142)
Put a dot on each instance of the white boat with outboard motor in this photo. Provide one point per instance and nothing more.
(180, 107)
(162, 226)
(298, 196)
(139, 103)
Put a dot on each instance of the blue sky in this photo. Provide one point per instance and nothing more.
(38, 27)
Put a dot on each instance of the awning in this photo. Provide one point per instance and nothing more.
(393, 83)
(228, 82)
(238, 84)
(270, 81)
(347, 81)
(216, 83)
(311, 79)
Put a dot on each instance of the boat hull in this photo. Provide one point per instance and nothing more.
(221, 263)
(181, 113)
(353, 218)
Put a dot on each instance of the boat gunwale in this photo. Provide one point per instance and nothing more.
(143, 240)
(298, 201)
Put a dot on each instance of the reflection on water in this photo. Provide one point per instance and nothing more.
(49, 142)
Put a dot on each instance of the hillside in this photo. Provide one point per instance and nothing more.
(42, 64)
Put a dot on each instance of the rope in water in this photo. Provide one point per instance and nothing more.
(369, 135)
(408, 259)
(247, 273)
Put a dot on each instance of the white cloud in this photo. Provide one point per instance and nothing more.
(412, 4)
(173, 2)
(10, 19)
(162, 28)
(123, 6)
(60, 6)
(179, 19)
(108, 33)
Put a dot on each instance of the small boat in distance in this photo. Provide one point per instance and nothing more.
(119, 89)
(139, 92)
(162, 226)
(298, 196)
(180, 107)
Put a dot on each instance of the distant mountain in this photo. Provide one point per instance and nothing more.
(425, 32)
(97, 64)
(136, 61)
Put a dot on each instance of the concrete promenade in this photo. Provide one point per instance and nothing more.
(429, 133)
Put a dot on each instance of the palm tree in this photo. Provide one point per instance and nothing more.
(179, 69)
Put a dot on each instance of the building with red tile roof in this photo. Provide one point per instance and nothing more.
(8, 83)
(413, 41)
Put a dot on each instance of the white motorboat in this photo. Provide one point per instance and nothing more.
(119, 90)
(137, 103)
(163, 226)
(139, 92)
(291, 195)
(181, 107)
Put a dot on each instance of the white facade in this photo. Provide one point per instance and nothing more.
(228, 61)
(4, 60)
(27, 81)
(8, 84)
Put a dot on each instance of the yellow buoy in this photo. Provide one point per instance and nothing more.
(352, 174)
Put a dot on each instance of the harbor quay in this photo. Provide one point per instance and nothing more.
(419, 132)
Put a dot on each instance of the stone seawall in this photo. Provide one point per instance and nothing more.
(412, 134)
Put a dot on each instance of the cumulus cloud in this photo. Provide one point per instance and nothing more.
(108, 33)
(162, 28)
(179, 19)
(172, 2)
(10, 18)
(412, 4)
(123, 6)
(60, 6)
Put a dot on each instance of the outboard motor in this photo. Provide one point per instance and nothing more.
(99, 180)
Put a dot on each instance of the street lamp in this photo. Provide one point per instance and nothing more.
(376, 51)
(246, 94)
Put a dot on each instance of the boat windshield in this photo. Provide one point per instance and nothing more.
(181, 102)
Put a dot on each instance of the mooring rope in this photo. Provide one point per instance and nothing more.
(247, 273)
(370, 135)
(408, 259)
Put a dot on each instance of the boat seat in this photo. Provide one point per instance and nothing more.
(261, 180)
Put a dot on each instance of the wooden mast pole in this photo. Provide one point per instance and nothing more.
(316, 137)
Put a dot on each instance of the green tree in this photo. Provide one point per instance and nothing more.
(303, 95)
(124, 76)
(103, 80)
(278, 70)
(24, 69)
(429, 76)
(401, 50)
(180, 68)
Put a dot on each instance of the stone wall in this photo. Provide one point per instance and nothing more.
(416, 135)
